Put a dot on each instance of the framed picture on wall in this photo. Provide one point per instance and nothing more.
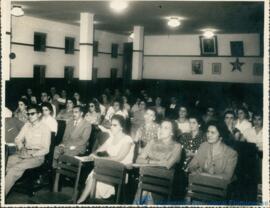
(216, 68)
(208, 46)
(258, 69)
(197, 67)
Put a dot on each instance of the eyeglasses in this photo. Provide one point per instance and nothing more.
(31, 114)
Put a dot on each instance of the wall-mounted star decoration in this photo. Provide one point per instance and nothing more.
(237, 65)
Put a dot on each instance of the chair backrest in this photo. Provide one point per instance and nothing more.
(207, 188)
(109, 172)
(157, 180)
(70, 167)
(60, 131)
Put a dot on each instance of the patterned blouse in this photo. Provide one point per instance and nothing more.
(144, 135)
(191, 144)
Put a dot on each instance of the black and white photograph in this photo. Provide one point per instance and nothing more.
(216, 68)
(197, 67)
(123, 102)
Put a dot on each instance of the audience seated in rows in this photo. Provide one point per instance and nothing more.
(208, 134)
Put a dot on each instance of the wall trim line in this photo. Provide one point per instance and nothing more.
(220, 56)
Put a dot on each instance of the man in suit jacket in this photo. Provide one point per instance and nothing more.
(76, 136)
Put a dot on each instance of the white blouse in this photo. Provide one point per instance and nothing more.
(51, 123)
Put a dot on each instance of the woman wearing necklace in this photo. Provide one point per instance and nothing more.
(214, 157)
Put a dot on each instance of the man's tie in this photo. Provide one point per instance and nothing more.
(75, 123)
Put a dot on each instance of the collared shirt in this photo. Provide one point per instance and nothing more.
(243, 125)
(253, 137)
(36, 138)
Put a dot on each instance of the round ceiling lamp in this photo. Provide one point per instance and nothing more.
(118, 5)
(208, 34)
(174, 21)
(17, 11)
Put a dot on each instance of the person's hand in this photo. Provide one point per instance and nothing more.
(102, 128)
(24, 153)
(19, 145)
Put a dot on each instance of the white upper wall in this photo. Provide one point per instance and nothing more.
(23, 29)
(190, 44)
(176, 52)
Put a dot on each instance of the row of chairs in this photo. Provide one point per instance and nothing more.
(152, 179)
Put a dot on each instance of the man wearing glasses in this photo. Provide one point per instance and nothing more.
(33, 143)
(77, 133)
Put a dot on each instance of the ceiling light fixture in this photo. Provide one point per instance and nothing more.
(208, 34)
(174, 21)
(118, 5)
(17, 11)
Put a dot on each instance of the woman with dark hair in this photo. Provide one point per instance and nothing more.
(118, 147)
(182, 121)
(233, 134)
(159, 109)
(104, 104)
(138, 117)
(47, 118)
(164, 152)
(213, 156)
(148, 131)
(116, 109)
(126, 105)
(191, 141)
(93, 115)
(77, 98)
(21, 112)
(67, 113)
(242, 122)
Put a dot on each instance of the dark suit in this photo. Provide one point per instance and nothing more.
(75, 139)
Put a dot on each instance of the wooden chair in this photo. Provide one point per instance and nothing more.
(156, 180)
(207, 188)
(108, 172)
(69, 167)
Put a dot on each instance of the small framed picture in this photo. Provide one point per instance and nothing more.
(197, 67)
(258, 69)
(216, 68)
(208, 46)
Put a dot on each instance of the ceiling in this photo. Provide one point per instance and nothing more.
(228, 17)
